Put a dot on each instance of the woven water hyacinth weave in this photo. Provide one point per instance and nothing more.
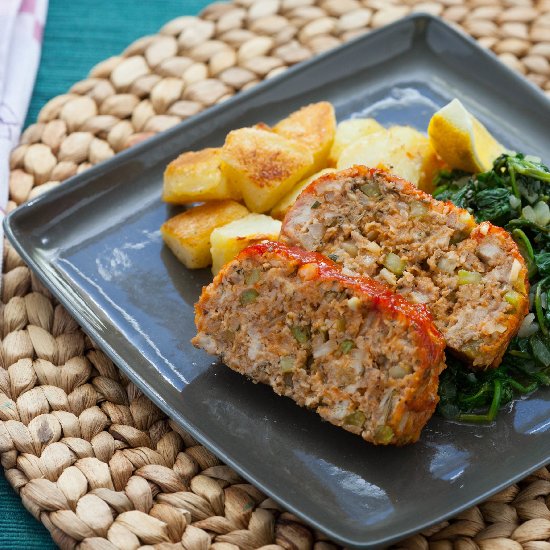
(90, 456)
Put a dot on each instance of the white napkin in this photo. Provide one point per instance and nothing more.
(21, 28)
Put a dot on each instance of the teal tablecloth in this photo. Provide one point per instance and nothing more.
(79, 33)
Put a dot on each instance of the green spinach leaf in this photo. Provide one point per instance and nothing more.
(508, 196)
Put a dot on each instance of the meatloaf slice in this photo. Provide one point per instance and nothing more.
(472, 277)
(361, 356)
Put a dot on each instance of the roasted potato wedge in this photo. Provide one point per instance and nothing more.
(349, 131)
(401, 150)
(431, 165)
(229, 240)
(314, 126)
(195, 176)
(263, 165)
(188, 234)
(281, 208)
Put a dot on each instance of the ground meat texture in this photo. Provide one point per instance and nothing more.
(361, 356)
(471, 277)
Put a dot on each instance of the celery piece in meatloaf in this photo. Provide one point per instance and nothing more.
(471, 277)
(361, 356)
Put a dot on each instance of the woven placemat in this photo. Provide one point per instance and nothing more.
(91, 457)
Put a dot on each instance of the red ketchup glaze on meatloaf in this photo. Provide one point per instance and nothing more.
(471, 277)
(363, 357)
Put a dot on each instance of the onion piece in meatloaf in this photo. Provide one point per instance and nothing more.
(363, 357)
(472, 277)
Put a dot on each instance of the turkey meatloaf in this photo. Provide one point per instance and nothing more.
(472, 277)
(361, 356)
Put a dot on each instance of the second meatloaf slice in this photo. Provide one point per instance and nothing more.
(361, 356)
(472, 277)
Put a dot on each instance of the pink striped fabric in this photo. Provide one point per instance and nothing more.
(21, 29)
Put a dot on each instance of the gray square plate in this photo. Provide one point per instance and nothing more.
(95, 243)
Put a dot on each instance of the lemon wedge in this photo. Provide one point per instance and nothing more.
(461, 140)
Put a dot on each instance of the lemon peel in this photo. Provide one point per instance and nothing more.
(461, 140)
